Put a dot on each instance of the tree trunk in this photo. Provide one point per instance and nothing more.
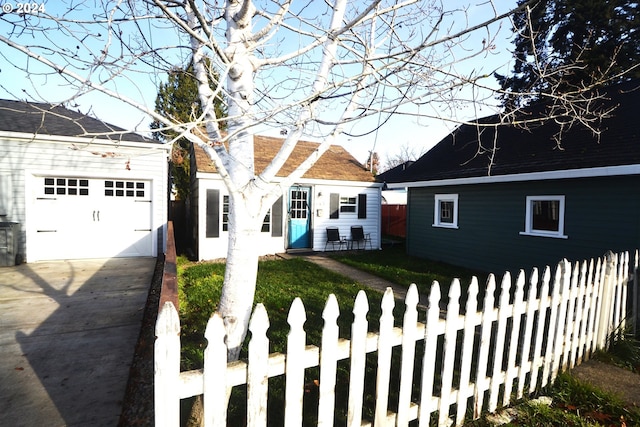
(238, 290)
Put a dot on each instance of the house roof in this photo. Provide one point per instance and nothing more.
(392, 174)
(335, 164)
(48, 119)
(534, 150)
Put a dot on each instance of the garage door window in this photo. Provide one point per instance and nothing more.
(124, 188)
(66, 186)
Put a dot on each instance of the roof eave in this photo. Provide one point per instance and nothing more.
(60, 139)
(533, 176)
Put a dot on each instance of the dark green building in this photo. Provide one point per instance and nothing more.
(500, 198)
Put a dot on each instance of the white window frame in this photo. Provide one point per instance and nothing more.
(347, 208)
(528, 222)
(226, 203)
(438, 199)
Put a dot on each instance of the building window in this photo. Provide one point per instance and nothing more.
(123, 189)
(66, 186)
(348, 204)
(266, 223)
(445, 212)
(545, 216)
(225, 213)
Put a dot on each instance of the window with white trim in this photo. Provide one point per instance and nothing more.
(266, 223)
(225, 213)
(544, 216)
(348, 204)
(445, 211)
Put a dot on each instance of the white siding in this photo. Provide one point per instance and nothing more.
(216, 247)
(370, 224)
(24, 160)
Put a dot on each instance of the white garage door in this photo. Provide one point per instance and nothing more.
(91, 218)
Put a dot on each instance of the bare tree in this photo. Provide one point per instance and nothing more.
(311, 68)
(404, 153)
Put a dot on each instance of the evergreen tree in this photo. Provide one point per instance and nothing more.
(563, 45)
(178, 100)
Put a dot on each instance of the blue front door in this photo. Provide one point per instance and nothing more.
(299, 217)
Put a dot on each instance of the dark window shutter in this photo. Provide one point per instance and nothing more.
(362, 206)
(334, 205)
(276, 218)
(213, 214)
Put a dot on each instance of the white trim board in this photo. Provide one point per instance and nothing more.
(533, 176)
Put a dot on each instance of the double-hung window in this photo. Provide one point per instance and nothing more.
(544, 216)
(445, 211)
(348, 204)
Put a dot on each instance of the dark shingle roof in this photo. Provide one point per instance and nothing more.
(335, 164)
(535, 150)
(392, 174)
(47, 119)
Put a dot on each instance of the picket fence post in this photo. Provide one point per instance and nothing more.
(538, 361)
(358, 359)
(429, 356)
(518, 308)
(409, 338)
(606, 295)
(167, 367)
(215, 374)
(483, 382)
(636, 295)
(328, 362)
(470, 317)
(257, 369)
(504, 310)
(294, 387)
(532, 306)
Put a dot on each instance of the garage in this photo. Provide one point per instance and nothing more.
(76, 217)
(77, 187)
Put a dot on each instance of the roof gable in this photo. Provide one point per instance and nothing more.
(468, 152)
(47, 119)
(335, 164)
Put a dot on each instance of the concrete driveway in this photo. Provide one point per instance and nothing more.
(68, 331)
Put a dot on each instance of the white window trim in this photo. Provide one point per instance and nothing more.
(341, 205)
(438, 198)
(528, 222)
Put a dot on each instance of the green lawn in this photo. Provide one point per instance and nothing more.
(394, 265)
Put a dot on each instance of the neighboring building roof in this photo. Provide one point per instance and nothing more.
(335, 164)
(459, 156)
(392, 174)
(47, 119)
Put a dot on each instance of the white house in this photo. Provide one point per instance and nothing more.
(78, 187)
(336, 192)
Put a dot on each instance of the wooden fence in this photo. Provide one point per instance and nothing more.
(474, 359)
(394, 220)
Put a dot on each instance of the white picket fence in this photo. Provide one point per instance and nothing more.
(517, 346)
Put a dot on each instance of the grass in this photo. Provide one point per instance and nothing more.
(279, 281)
(394, 265)
(573, 403)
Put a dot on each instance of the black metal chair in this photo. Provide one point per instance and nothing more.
(358, 235)
(333, 237)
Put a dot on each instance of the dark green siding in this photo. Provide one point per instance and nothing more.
(600, 214)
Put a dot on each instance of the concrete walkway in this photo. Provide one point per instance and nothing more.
(68, 331)
(363, 278)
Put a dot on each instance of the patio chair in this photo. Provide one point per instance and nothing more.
(358, 235)
(333, 237)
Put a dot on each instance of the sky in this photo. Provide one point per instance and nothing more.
(417, 133)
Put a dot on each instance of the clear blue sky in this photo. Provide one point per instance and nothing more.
(420, 133)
